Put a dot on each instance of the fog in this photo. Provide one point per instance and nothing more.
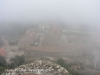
(65, 32)
(69, 11)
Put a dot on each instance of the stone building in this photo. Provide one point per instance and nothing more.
(33, 39)
(53, 43)
(56, 51)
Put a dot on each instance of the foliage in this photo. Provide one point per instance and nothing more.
(61, 62)
(68, 66)
(2, 61)
(2, 69)
(17, 61)
(2, 64)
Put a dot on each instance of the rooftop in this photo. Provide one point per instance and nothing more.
(2, 52)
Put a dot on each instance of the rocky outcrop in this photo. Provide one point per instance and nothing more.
(38, 67)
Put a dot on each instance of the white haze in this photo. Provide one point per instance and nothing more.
(69, 11)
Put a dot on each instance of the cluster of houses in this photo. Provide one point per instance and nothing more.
(51, 41)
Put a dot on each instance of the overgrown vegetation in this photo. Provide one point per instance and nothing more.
(2, 61)
(2, 69)
(71, 70)
(2, 64)
(15, 62)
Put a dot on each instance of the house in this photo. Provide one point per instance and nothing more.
(44, 26)
(56, 51)
(53, 36)
(2, 52)
(28, 40)
(33, 39)
(53, 43)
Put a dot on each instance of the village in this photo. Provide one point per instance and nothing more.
(52, 42)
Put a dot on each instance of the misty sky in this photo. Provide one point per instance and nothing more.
(71, 11)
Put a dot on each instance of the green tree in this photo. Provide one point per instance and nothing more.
(2, 64)
(18, 60)
(67, 66)
(2, 61)
(2, 69)
(61, 62)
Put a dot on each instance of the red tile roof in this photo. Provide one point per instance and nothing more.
(28, 39)
(2, 52)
